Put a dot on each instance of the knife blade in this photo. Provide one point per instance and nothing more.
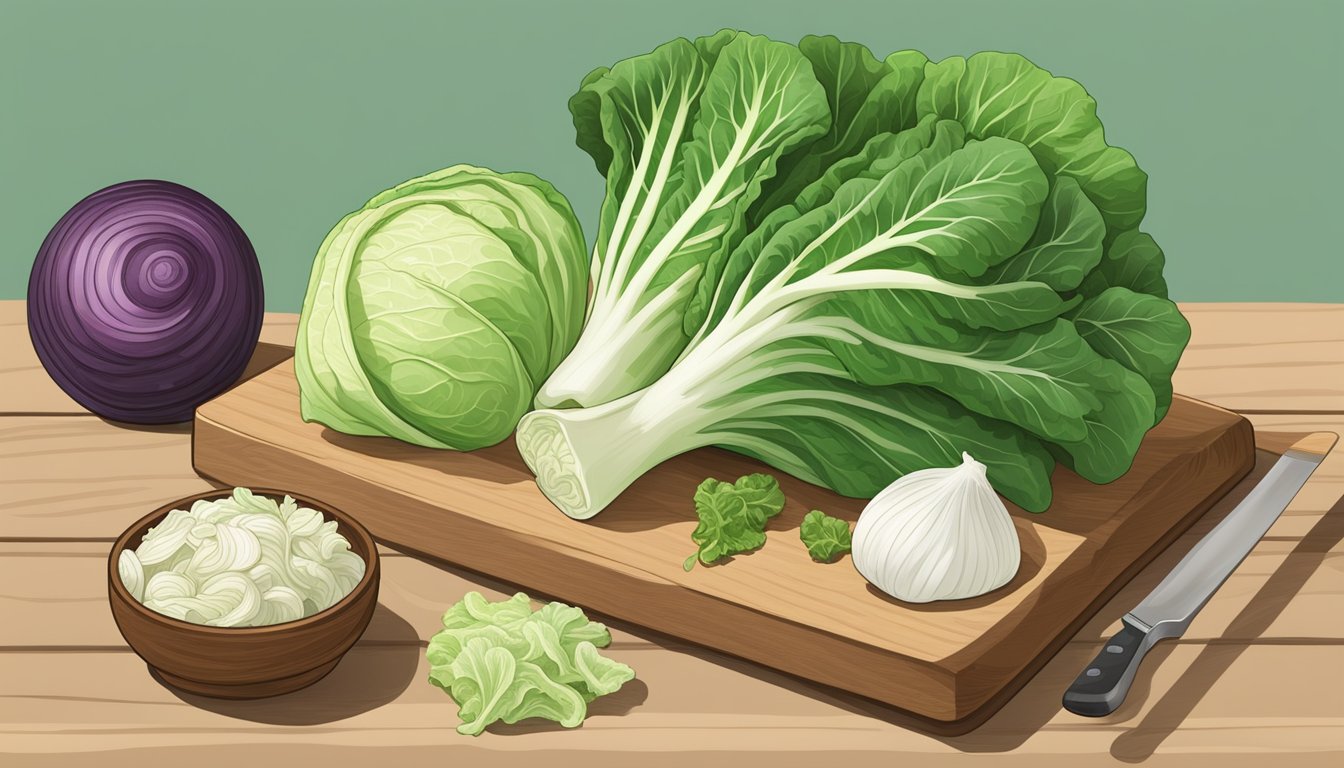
(1168, 610)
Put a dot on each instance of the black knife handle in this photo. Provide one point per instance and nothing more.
(1102, 685)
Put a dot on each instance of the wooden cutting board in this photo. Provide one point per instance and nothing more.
(950, 664)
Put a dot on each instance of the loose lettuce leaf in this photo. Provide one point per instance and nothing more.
(491, 684)
(502, 661)
(733, 516)
(825, 537)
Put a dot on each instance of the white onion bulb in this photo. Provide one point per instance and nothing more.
(937, 534)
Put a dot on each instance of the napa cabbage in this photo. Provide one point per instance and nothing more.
(958, 269)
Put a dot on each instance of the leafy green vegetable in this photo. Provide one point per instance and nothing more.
(1005, 95)
(866, 96)
(825, 537)
(733, 516)
(502, 661)
(1144, 333)
(877, 286)
(1133, 261)
(973, 281)
(685, 135)
(435, 311)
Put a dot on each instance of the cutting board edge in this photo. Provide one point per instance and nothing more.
(975, 714)
(944, 697)
(902, 672)
(1238, 438)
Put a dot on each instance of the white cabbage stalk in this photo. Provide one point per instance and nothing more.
(937, 534)
(690, 137)
(585, 457)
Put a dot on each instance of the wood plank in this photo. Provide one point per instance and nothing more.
(108, 518)
(1241, 356)
(1270, 589)
(25, 388)
(1191, 701)
(1282, 358)
(109, 501)
(54, 596)
(83, 478)
(355, 755)
(105, 466)
(947, 662)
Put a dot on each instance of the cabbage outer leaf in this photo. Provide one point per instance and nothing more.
(433, 312)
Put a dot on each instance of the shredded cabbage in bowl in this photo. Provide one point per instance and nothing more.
(241, 561)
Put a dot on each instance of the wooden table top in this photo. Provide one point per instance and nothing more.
(1258, 677)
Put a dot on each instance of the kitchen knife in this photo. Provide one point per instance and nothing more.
(1168, 610)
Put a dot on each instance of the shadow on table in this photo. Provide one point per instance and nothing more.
(367, 678)
(1140, 742)
(1038, 701)
(264, 357)
(631, 695)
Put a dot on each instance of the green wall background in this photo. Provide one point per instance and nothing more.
(291, 113)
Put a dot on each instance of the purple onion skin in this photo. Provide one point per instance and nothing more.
(145, 301)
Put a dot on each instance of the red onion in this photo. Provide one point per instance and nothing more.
(145, 301)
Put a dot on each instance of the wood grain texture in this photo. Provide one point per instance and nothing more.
(53, 597)
(82, 477)
(947, 662)
(1264, 700)
(1216, 696)
(1281, 358)
(1316, 444)
(27, 389)
(1284, 358)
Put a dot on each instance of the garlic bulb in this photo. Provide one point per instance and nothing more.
(937, 534)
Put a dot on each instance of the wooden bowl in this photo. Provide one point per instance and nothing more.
(245, 662)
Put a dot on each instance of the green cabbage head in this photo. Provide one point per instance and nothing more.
(434, 312)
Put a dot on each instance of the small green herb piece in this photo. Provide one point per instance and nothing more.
(826, 537)
(733, 516)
